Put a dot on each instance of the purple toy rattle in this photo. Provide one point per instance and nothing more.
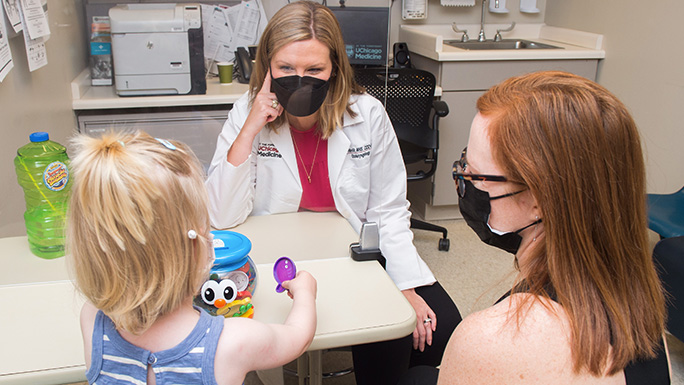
(283, 270)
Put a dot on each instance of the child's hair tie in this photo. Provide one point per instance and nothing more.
(166, 144)
(192, 234)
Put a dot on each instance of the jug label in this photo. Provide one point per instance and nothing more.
(56, 176)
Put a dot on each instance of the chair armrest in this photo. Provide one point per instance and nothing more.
(441, 108)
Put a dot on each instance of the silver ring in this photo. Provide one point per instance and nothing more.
(427, 321)
(275, 104)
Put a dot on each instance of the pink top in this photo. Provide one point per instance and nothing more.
(311, 149)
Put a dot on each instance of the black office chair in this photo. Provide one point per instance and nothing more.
(666, 214)
(668, 255)
(414, 112)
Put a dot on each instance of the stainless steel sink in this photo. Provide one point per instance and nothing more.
(496, 45)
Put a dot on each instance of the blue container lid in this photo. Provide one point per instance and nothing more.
(39, 137)
(231, 250)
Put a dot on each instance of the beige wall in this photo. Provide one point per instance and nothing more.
(643, 67)
(38, 101)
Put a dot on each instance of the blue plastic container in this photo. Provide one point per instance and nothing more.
(229, 289)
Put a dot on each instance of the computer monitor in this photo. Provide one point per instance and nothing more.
(365, 34)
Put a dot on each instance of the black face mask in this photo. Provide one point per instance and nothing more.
(475, 208)
(300, 95)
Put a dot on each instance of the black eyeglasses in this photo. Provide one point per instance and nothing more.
(460, 176)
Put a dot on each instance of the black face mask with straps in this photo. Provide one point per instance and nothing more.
(300, 95)
(475, 207)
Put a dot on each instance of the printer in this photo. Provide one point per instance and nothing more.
(158, 49)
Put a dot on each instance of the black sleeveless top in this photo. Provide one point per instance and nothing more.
(648, 372)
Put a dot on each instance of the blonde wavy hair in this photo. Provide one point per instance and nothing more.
(133, 201)
(306, 20)
(577, 149)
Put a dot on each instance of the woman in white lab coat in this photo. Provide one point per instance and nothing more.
(307, 138)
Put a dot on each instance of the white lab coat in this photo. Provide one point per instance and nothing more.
(367, 177)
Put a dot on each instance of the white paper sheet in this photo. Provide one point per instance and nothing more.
(217, 34)
(35, 48)
(227, 28)
(6, 63)
(246, 23)
(12, 12)
(35, 18)
(35, 52)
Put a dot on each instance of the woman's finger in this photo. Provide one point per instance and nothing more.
(266, 87)
(421, 340)
(428, 333)
(416, 338)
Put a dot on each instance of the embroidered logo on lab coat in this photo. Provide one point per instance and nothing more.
(268, 150)
(359, 152)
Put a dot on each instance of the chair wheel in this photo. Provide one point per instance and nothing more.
(443, 244)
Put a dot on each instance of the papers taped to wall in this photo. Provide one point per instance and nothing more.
(12, 14)
(34, 20)
(34, 13)
(226, 28)
(6, 63)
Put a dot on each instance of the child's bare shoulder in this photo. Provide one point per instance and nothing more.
(238, 346)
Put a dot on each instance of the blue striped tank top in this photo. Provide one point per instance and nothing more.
(117, 361)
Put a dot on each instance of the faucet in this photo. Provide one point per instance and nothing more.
(498, 37)
(464, 37)
(481, 35)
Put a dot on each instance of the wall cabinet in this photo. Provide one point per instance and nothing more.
(462, 84)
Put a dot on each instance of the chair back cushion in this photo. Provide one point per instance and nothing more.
(409, 95)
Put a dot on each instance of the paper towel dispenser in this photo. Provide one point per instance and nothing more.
(158, 49)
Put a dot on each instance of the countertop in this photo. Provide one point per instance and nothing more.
(428, 40)
(87, 97)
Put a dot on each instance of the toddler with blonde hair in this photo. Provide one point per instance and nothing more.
(139, 249)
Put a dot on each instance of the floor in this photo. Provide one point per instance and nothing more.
(475, 275)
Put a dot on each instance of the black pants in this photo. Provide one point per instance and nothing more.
(670, 264)
(420, 375)
(384, 363)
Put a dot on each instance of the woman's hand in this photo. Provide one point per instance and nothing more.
(265, 109)
(422, 334)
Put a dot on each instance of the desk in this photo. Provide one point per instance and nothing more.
(39, 328)
(45, 347)
(300, 236)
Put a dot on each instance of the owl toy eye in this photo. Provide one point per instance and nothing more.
(228, 290)
(213, 291)
(210, 290)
